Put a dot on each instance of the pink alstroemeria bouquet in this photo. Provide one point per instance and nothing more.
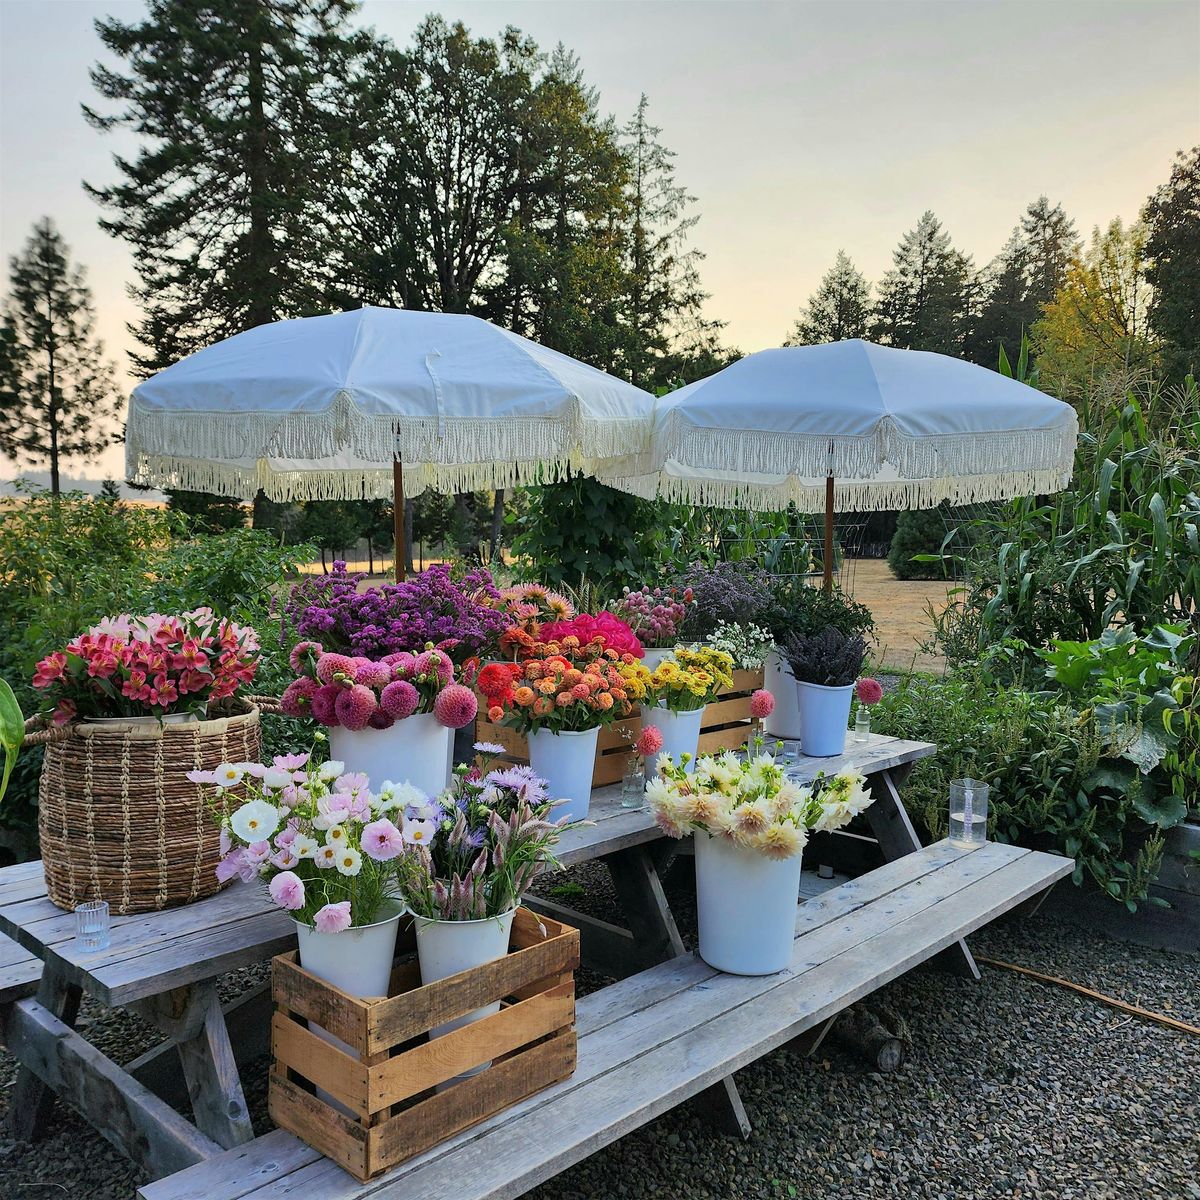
(151, 665)
(360, 693)
(324, 844)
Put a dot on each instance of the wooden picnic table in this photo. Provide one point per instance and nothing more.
(165, 966)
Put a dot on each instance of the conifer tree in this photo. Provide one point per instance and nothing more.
(840, 307)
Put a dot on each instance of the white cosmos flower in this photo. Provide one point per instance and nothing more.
(335, 836)
(304, 846)
(405, 795)
(348, 861)
(229, 775)
(331, 770)
(273, 779)
(255, 821)
(326, 856)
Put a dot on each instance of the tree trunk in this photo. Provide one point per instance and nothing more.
(408, 538)
(52, 380)
(260, 252)
(497, 523)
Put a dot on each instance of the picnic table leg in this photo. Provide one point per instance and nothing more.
(32, 1099)
(891, 826)
(640, 894)
(214, 1086)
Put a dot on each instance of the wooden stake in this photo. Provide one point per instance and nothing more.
(398, 517)
(828, 535)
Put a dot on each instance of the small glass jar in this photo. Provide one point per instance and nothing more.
(633, 784)
(862, 724)
(91, 925)
(968, 813)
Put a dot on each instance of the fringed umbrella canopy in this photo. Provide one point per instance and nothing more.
(323, 408)
(852, 427)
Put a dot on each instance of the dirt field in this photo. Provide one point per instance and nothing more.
(900, 611)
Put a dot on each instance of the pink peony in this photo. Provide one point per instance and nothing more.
(762, 704)
(354, 706)
(650, 741)
(323, 704)
(296, 700)
(399, 699)
(381, 840)
(455, 706)
(333, 918)
(329, 665)
(298, 659)
(373, 674)
(287, 890)
(868, 691)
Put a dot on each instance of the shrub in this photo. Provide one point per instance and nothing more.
(922, 541)
(797, 607)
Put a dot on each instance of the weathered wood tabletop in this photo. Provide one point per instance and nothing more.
(165, 966)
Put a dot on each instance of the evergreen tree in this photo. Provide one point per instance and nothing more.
(840, 307)
(1173, 249)
(208, 513)
(926, 300)
(58, 397)
(242, 129)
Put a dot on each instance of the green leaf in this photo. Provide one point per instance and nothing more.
(1165, 810)
(12, 732)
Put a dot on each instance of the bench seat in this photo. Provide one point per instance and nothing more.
(19, 971)
(659, 1037)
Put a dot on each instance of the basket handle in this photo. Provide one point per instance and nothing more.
(266, 704)
(39, 733)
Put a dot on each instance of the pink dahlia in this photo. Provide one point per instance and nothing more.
(380, 720)
(373, 675)
(434, 662)
(762, 704)
(616, 633)
(298, 659)
(354, 706)
(329, 665)
(650, 741)
(322, 703)
(296, 700)
(868, 691)
(399, 699)
(455, 706)
(401, 663)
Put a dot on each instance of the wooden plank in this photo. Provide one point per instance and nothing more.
(32, 1098)
(604, 947)
(716, 740)
(24, 881)
(214, 1086)
(124, 1112)
(640, 894)
(335, 1011)
(237, 1172)
(19, 971)
(725, 712)
(331, 1069)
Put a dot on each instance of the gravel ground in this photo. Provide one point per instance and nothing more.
(1012, 1089)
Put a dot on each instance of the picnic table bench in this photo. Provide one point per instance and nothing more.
(165, 965)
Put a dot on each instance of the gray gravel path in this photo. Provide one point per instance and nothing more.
(1013, 1089)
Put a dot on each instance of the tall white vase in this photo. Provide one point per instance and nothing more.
(445, 948)
(745, 907)
(419, 749)
(566, 762)
(824, 718)
(681, 734)
(784, 721)
(357, 960)
(655, 655)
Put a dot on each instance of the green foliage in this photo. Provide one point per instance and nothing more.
(580, 529)
(920, 543)
(12, 731)
(209, 513)
(798, 607)
(840, 307)
(1055, 783)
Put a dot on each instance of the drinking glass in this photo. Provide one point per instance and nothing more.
(91, 924)
(633, 785)
(862, 724)
(968, 813)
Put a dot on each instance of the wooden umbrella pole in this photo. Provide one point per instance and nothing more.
(828, 584)
(398, 517)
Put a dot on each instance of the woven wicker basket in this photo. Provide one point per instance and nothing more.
(118, 818)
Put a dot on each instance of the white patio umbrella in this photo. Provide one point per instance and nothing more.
(373, 403)
(851, 427)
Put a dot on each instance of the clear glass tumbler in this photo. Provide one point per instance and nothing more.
(91, 924)
(633, 785)
(968, 813)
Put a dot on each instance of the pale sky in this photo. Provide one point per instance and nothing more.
(800, 127)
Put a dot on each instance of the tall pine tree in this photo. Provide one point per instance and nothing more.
(840, 307)
(242, 130)
(1173, 249)
(58, 397)
(926, 300)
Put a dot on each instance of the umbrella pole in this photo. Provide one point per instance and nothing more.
(398, 517)
(828, 582)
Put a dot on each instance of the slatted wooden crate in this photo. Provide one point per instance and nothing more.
(725, 726)
(391, 1087)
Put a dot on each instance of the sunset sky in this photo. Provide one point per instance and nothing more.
(800, 128)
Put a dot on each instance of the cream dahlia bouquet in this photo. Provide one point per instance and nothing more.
(753, 802)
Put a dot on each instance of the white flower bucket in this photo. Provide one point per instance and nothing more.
(784, 721)
(681, 734)
(419, 749)
(824, 718)
(566, 762)
(356, 960)
(745, 907)
(655, 655)
(445, 948)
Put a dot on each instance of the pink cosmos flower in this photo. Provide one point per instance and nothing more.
(381, 840)
(333, 918)
(229, 867)
(257, 852)
(286, 836)
(762, 704)
(285, 859)
(868, 691)
(455, 706)
(287, 890)
(209, 777)
(351, 781)
(290, 762)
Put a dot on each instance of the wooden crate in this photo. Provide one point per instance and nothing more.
(725, 726)
(390, 1087)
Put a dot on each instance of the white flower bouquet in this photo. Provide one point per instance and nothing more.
(747, 645)
(752, 802)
